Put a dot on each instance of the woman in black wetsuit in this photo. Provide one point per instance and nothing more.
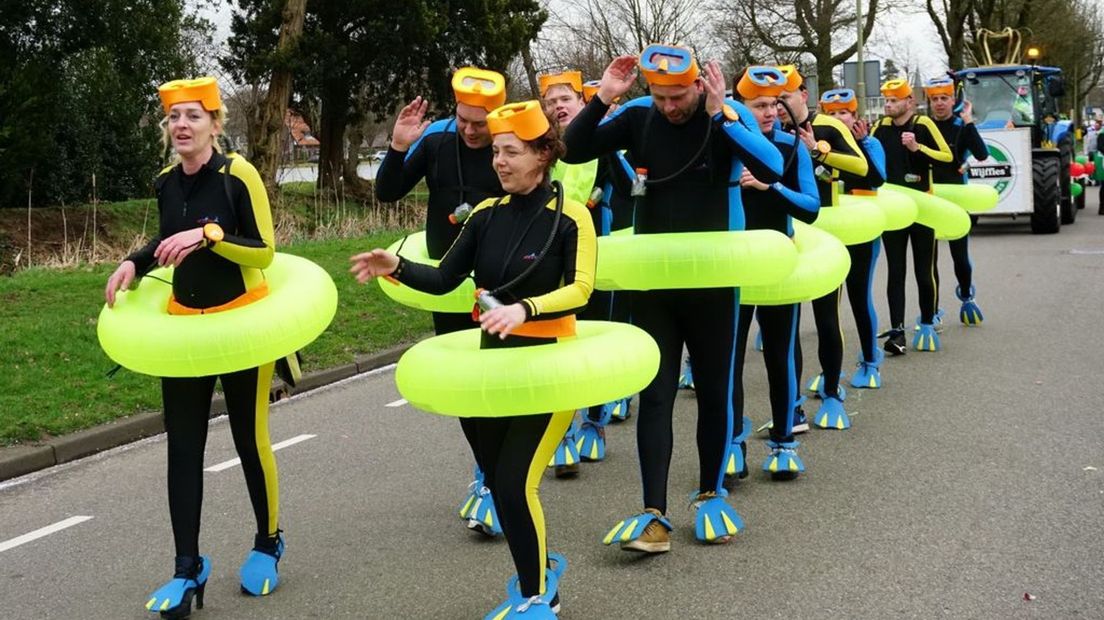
(500, 242)
(216, 231)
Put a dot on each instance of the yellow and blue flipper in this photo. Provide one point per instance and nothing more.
(686, 379)
(174, 599)
(629, 529)
(969, 313)
(590, 441)
(716, 522)
(736, 463)
(867, 375)
(567, 452)
(926, 338)
(259, 573)
(542, 607)
(783, 463)
(832, 414)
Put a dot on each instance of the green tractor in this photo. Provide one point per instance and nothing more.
(1016, 110)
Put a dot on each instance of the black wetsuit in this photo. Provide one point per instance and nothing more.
(794, 196)
(964, 141)
(208, 277)
(844, 156)
(864, 256)
(693, 185)
(910, 169)
(499, 242)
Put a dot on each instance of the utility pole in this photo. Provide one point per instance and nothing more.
(860, 96)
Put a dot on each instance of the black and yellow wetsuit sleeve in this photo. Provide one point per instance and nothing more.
(254, 243)
(580, 252)
(845, 154)
(457, 262)
(931, 142)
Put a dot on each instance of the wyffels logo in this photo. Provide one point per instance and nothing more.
(999, 171)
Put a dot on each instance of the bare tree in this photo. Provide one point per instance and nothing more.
(265, 151)
(949, 18)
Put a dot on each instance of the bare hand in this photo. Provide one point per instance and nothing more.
(373, 264)
(747, 179)
(618, 78)
(909, 140)
(859, 129)
(502, 320)
(410, 124)
(122, 278)
(175, 249)
(967, 114)
(714, 82)
(807, 138)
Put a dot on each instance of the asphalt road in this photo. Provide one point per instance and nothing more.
(974, 476)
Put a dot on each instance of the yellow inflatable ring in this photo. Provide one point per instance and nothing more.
(852, 222)
(693, 260)
(822, 266)
(898, 210)
(140, 335)
(974, 198)
(451, 375)
(943, 216)
(460, 299)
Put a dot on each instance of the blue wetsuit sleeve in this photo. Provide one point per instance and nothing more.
(974, 143)
(875, 154)
(748, 143)
(399, 172)
(587, 137)
(804, 203)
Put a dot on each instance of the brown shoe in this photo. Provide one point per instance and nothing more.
(654, 539)
(567, 471)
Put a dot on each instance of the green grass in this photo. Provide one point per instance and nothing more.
(55, 382)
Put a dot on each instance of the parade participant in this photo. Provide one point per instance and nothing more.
(912, 143)
(215, 229)
(690, 147)
(962, 135)
(588, 183)
(533, 255)
(843, 105)
(453, 155)
(834, 151)
(771, 207)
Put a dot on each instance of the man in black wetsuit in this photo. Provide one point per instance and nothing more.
(912, 144)
(690, 147)
(960, 133)
(453, 155)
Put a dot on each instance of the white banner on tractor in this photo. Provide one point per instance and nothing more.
(1008, 169)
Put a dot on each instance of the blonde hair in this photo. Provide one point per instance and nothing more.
(218, 118)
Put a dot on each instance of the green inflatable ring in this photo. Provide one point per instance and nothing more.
(943, 216)
(972, 198)
(1098, 166)
(460, 299)
(822, 266)
(140, 334)
(451, 375)
(852, 222)
(693, 260)
(899, 210)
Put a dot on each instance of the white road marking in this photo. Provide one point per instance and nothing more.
(42, 532)
(283, 444)
(397, 403)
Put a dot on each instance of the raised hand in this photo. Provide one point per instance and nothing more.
(859, 129)
(714, 81)
(908, 139)
(617, 79)
(410, 124)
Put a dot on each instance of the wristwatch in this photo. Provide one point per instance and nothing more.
(212, 234)
(822, 149)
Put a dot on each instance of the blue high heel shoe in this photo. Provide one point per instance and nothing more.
(969, 313)
(259, 573)
(544, 606)
(174, 599)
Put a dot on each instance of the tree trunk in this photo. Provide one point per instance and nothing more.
(270, 130)
(334, 119)
(530, 71)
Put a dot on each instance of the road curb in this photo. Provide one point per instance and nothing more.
(19, 460)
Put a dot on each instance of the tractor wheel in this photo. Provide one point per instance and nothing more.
(1048, 201)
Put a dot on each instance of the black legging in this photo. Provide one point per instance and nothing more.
(923, 258)
(187, 403)
(705, 321)
(513, 452)
(446, 323)
(963, 266)
(778, 326)
(860, 293)
(829, 341)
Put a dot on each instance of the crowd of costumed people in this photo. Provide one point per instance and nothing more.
(583, 257)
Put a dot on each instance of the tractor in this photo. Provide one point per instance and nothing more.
(1015, 108)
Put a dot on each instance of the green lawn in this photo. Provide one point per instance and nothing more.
(55, 382)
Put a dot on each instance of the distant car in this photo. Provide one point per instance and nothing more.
(379, 155)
